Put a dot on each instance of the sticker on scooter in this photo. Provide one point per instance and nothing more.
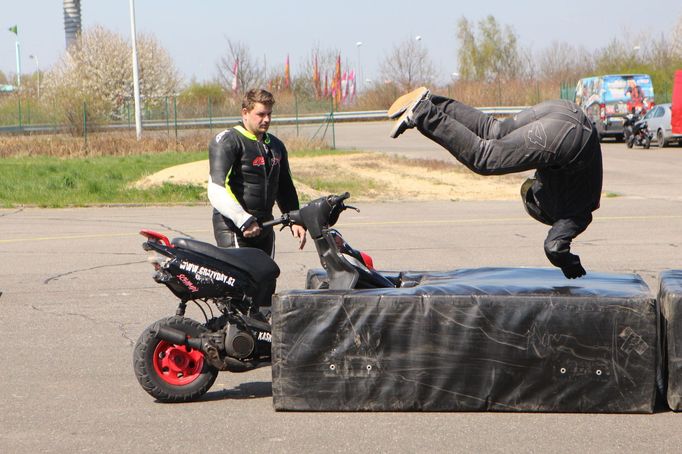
(201, 273)
(185, 280)
(263, 336)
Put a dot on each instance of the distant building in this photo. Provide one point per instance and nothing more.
(72, 21)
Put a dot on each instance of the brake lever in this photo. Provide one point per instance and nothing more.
(352, 208)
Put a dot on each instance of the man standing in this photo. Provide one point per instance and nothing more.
(249, 172)
(555, 138)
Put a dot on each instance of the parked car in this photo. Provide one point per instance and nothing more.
(658, 120)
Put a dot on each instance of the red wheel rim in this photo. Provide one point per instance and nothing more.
(176, 364)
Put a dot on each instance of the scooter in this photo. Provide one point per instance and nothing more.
(638, 134)
(177, 359)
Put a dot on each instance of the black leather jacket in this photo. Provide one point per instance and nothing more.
(254, 173)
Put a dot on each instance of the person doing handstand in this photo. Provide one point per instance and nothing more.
(554, 138)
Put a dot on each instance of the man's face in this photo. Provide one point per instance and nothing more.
(257, 120)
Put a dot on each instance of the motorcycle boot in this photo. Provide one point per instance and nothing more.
(406, 120)
(402, 103)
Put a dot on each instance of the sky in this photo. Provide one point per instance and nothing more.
(195, 33)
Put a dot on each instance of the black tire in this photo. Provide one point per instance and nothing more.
(660, 141)
(164, 386)
(647, 142)
(630, 142)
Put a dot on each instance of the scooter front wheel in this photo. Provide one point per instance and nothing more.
(169, 372)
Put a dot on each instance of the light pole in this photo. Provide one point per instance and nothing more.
(359, 45)
(136, 80)
(35, 58)
(15, 30)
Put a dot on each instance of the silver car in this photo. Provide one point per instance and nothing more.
(658, 120)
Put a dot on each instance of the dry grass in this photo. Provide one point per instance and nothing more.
(122, 144)
(99, 144)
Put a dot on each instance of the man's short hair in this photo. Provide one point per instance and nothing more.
(257, 95)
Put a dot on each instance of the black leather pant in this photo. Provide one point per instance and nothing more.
(550, 134)
(228, 238)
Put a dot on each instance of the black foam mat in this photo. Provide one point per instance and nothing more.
(503, 339)
(670, 301)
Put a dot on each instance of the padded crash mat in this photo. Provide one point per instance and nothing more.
(505, 339)
(670, 301)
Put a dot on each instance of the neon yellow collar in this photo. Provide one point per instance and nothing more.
(249, 135)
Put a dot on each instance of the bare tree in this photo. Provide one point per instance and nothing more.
(562, 63)
(408, 66)
(677, 39)
(326, 64)
(250, 72)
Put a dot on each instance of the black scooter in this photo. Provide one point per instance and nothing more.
(177, 359)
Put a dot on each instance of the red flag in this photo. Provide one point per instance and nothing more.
(316, 78)
(677, 103)
(235, 79)
(337, 80)
(287, 77)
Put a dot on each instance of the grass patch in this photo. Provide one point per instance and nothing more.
(50, 181)
(54, 182)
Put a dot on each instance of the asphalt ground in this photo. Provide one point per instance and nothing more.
(77, 292)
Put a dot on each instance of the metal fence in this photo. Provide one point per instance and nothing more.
(165, 116)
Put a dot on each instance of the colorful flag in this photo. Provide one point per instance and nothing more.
(351, 81)
(337, 80)
(14, 30)
(316, 78)
(287, 76)
(235, 79)
(344, 86)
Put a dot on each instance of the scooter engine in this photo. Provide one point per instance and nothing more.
(238, 343)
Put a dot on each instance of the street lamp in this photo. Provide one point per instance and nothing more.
(136, 79)
(358, 45)
(35, 58)
(15, 30)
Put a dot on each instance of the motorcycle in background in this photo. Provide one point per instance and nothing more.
(637, 133)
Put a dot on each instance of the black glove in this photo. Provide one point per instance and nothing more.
(558, 253)
(573, 270)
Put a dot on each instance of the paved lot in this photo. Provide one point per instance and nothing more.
(78, 292)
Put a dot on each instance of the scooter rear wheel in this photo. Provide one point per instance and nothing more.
(168, 372)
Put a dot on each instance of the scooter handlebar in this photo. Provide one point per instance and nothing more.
(295, 217)
(284, 220)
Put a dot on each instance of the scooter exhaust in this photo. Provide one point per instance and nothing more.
(177, 337)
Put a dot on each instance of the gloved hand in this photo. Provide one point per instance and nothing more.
(558, 252)
(574, 270)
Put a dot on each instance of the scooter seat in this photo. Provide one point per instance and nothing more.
(255, 262)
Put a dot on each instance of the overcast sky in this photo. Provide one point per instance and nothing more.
(195, 32)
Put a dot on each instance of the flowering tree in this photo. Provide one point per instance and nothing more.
(97, 72)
